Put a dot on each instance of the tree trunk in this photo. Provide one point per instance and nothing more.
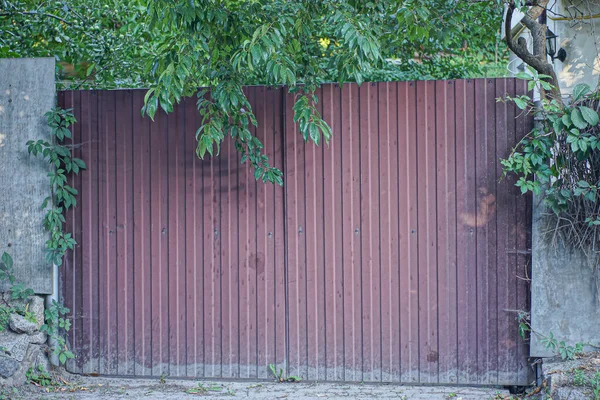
(538, 59)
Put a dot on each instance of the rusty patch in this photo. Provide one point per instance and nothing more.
(433, 356)
(486, 208)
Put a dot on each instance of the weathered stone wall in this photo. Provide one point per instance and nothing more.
(572, 379)
(27, 92)
(22, 344)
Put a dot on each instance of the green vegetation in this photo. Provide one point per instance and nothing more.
(62, 196)
(17, 292)
(176, 47)
(96, 43)
(557, 347)
(280, 376)
(39, 376)
(560, 159)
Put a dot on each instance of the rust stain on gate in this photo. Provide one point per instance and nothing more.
(391, 255)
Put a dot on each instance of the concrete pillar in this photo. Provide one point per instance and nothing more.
(27, 92)
(563, 291)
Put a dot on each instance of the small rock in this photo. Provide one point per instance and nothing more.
(38, 338)
(571, 393)
(6, 298)
(19, 324)
(14, 345)
(37, 356)
(36, 306)
(8, 366)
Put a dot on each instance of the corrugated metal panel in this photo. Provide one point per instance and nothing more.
(391, 255)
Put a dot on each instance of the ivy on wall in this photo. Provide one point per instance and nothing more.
(62, 197)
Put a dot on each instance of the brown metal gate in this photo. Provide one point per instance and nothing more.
(396, 254)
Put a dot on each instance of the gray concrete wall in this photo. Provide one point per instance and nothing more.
(27, 92)
(563, 292)
(563, 287)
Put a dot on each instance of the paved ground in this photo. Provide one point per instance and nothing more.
(134, 389)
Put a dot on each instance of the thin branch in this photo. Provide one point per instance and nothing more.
(9, 13)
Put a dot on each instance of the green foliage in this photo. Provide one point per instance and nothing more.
(560, 348)
(579, 378)
(280, 377)
(96, 43)
(224, 45)
(177, 47)
(6, 268)
(447, 28)
(62, 195)
(202, 389)
(39, 376)
(524, 324)
(56, 325)
(29, 316)
(10, 393)
(560, 159)
(557, 347)
(106, 43)
(5, 312)
(17, 290)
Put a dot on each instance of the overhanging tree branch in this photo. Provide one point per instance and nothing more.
(537, 60)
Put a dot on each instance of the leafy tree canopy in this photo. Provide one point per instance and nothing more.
(174, 47)
(96, 43)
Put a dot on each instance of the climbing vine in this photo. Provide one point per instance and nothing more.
(560, 159)
(62, 197)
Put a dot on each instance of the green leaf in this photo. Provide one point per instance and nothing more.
(522, 104)
(546, 85)
(7, 260)
(89, 70)
(80, 163)
(258, 172)
(574, 146)
(523, 75)
(577, 119)
(590, 116)
(580, 90)
(201, 149)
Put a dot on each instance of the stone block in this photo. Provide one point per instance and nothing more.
(19, 324)
(36, 306)
(14, 345)
(38, 338)
(8, 366)
(36, 357)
